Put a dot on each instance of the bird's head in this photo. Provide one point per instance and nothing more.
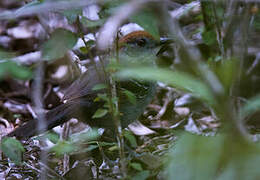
(138, 47)
(138, 39)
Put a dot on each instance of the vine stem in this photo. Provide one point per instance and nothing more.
(116, 116)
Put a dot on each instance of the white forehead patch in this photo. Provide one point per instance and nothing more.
(131, 27)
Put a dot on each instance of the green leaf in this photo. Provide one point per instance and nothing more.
(29, 6)
(256, 22)
(84, 50)
(11, 68)
(84, 150)
(136, 166)
(195, 157)
(72, 14)
(100, 113)
(109, 7)
(101, 97)
(209, 37)
(59, 43)
(4, 55)
(176, 79)
(131, 138)
(130, 96)
(53, 137)
(99, 87)
(75, 143)
(63, 147)
(113, 148)
(92, 24)
(218, 157)
(83, 137)
(227, 72)
(17, 116)
(251, 106)
(13, 149)
(19, 72)
(103, 144)
(150, 160)
(141, 175)
(90, 43)
(148, 20)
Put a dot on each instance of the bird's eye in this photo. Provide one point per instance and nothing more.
(141, 42)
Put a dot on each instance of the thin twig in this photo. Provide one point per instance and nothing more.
(38, 102)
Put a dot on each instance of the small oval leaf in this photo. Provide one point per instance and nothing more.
(59, 43)
(100, 113)
(13, 149)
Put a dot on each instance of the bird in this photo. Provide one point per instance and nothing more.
(138, 47)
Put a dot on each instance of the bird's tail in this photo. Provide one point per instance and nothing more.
(54, 117)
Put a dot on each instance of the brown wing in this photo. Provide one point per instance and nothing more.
(83, 86)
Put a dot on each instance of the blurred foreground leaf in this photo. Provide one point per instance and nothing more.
(9, 68)
(60, 42)
(39, 7)
(92, 24)
(110, 7)
(76, 142)
(13, 149)
(220, 157)
(209, 37)
(148, 20)
(227, 72)
(141, 175)
(174, 78)
(136, 166)
(4, 55)
(72, 15)
(251, 106)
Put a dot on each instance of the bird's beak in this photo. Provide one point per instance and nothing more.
(165, 41)
(164, 44)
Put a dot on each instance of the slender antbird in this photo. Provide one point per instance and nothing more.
(136, 47)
